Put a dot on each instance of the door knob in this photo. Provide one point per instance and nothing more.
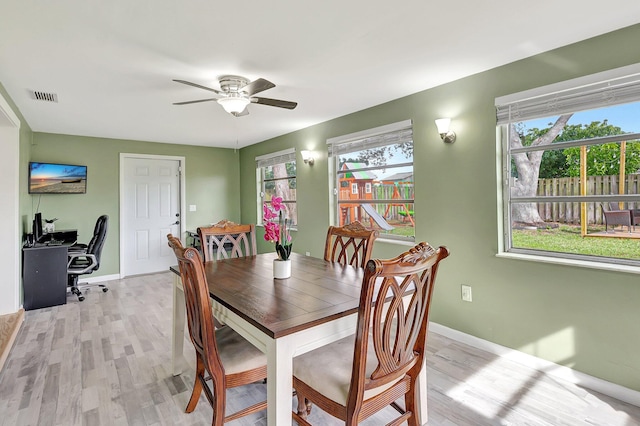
(177, 222)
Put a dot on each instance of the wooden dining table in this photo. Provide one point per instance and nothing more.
(283, 318)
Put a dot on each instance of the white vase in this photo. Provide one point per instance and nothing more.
(281, 269)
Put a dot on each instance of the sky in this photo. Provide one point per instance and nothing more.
(381, 174)
(49, 171)
(626, 116)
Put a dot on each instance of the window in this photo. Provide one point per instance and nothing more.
(373, 172)
(277, 178)
(571, 169)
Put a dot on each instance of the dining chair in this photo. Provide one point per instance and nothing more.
(355, 377)
(227, 239)
(222, 356)
(350, 244)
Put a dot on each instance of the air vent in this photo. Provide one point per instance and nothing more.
(44, 96)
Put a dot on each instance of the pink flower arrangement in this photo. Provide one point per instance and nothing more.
(276, 229)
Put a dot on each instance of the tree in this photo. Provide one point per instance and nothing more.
(553, 163)
(604, 159)
(379, 156)
(528, 169)
(283, 187)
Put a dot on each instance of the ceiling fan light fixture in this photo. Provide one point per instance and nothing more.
(234, 104)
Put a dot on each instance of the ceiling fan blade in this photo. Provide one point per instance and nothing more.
(257, 86)
(195, 102)
(188, 83)
(240, 114)
(274, 102)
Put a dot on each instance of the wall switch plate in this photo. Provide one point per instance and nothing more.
(466, 293)
(192, 207)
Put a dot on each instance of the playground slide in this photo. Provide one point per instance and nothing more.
(379, 220)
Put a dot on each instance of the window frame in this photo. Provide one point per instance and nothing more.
(267, 160)
(382, 136)
(620, 86)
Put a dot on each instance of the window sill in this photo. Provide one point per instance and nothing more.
(571, 262)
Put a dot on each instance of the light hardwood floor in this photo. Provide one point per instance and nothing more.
(106, 361)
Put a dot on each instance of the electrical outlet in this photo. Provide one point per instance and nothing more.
(466, 293)
(308, 253)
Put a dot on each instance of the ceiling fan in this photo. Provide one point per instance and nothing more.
(237, 92)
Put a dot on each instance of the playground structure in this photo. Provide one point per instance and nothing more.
(358, 185)
(406, 213)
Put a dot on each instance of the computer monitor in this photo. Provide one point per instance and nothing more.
(37, 227)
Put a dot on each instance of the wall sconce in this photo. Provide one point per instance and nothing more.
(307, 156)
(447, 135)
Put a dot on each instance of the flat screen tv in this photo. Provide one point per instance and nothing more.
(50, 178)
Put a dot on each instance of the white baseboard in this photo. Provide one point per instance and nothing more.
(100, 279)
(549, 368)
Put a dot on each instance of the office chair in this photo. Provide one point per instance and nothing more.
(85, 259)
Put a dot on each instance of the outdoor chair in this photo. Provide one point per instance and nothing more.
(635, 217)
(614, 216)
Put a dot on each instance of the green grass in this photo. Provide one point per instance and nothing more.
(403, 229)
(567, 239)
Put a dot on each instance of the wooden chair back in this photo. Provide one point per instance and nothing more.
(226, 240)
(240, 355)
(198, 306)
(351, 244)
(389, 348)
(394, 311)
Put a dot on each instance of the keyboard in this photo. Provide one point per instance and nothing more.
(54, 242)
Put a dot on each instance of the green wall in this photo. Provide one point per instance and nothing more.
(211, 178)
(582, 318)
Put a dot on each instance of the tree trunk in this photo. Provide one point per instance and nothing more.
(528, 168)
(282, 190)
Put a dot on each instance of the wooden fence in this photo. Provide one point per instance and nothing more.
(386, 192)
(596, 185)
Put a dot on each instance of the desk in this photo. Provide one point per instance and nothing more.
(282, 318)
(44, 276)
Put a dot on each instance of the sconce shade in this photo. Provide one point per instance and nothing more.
(443, 128)
(307, 157)
(443, 125)
(234, 104)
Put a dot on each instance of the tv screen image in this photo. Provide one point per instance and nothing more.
(50, 178)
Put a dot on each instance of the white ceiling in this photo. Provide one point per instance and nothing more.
(111, 63)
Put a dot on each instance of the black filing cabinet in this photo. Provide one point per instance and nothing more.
(44, 276)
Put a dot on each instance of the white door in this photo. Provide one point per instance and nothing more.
(150, 211)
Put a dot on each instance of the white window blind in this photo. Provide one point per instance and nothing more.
(580, 94)
(390, 134)
(284, 156)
